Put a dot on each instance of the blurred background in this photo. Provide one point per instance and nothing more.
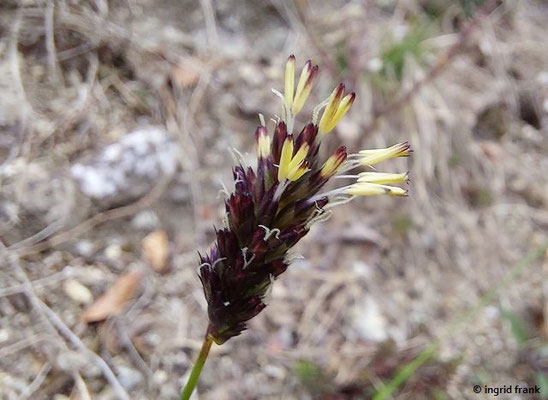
(116, 124)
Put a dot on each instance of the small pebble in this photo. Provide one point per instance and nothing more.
(129, 377)
(145, 220)
(77, 292)
(4, 335)
(160, 377)
(114, 251)
(85, 248)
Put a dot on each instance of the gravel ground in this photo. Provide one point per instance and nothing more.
(116, 124)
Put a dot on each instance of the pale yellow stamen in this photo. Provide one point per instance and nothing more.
(382, 178)
(342, 109)
(263, 146)
(285, 159)
(299, 101)
(303, 89)
(295, 166)
(289, 89)
(330, 109)
(296, 174)
(299, 157)
(372, 189)
(331, 166)
(375, 156)
(292, 167)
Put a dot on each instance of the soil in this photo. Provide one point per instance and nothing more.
(459, 265)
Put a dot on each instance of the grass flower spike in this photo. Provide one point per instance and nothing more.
(275, 203)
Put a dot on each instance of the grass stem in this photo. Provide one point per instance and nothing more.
(198, 365)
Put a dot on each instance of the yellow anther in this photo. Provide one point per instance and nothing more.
(329, 167)
(285, 159)
(304, 87)
(331, 108)
(299, 157)
(375, 156)
(372, 189)
(382, 178)
(263, 146)
(333, 163)
(289, 88)
(298, 172)
(342, 109)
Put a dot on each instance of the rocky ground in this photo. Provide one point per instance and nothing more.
(116, 124)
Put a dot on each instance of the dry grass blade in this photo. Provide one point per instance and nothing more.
(409, 369)
(469, 92)
(155, 250)
(438, 68)
(109, 215)
(115, 299)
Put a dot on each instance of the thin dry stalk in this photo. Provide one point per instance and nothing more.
(443, 62)
(76, 342)
(37, 381)
(110, 215)
(211, 23)
(53, 66)
(38, 283)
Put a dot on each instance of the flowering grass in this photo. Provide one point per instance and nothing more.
(275, 204)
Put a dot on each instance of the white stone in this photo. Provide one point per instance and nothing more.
(368, 321)
(145, 220)
(129, 377)
(77, 292)
(4, 335)
(128, 168)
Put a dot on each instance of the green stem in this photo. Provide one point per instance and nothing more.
(198, 365)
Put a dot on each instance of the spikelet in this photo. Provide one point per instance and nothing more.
(273, 205)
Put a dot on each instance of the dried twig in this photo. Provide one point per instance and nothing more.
(56, 325)
(66, 273)
(25, 107)
(180, 121)
(211, 23)
(116, 213)
(50, 43)
(488, 7)
(119, 324)
(76, 342)
(22, 344)
(41, 235)
(297, 18)
(37, 382)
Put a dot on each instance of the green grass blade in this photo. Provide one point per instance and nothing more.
(409, 369)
